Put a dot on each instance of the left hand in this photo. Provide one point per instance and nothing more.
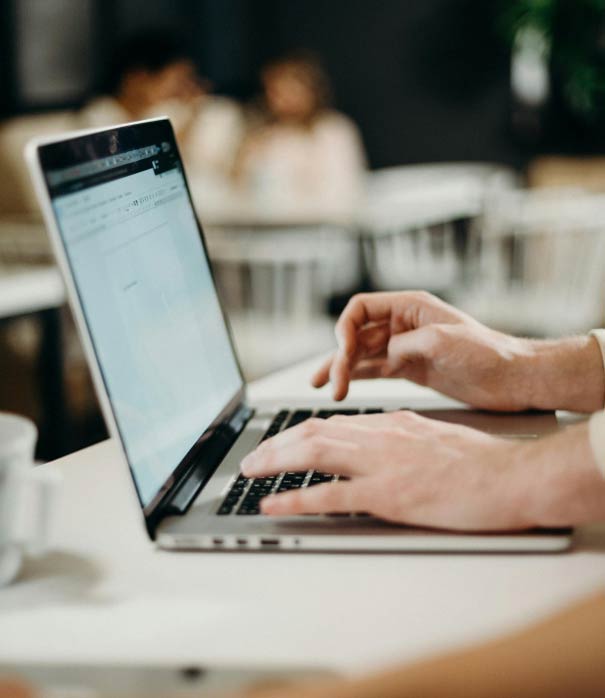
(14, 689)
(401, 467)
(313, 688)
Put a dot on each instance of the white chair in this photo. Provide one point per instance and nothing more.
(539, 264)
(275, 283)
(409, 221)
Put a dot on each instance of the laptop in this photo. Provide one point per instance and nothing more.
(120, 216)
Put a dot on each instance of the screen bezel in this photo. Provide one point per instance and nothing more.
(84, 147)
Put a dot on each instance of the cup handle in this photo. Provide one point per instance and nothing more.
(33, 525)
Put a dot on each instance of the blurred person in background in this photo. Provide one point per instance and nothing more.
(151, 75)
(299, 153)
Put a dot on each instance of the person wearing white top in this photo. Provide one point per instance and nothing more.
(298, 154)
(412, 470)
(151, 75)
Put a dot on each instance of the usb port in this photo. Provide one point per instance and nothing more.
(217, 541)
(269, 542)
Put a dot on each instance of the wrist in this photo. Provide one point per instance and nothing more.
(562, 374)
(560, 481)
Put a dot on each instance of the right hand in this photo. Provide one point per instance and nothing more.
(414, 335)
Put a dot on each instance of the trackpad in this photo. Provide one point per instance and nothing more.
(522, 425)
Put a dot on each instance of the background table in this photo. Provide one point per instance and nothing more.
(107, 595)
(37, 291)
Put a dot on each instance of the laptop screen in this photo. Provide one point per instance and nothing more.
(144, 282)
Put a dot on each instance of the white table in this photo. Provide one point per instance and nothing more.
(108, 596)
(30, 289)
(36, 290)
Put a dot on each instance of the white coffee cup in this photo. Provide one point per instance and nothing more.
(27, 496)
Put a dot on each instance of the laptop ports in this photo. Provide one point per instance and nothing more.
(269, 542)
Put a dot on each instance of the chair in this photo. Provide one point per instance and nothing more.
(275, 282)
(539, 263)
(414, 221)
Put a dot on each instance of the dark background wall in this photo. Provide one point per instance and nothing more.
(426, 80)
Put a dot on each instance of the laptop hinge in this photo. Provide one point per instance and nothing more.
(203, 465)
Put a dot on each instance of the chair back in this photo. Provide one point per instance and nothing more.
(539, 262)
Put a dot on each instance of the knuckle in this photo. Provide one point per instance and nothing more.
(387, 432)
(310, 427)
(313, 449)
(352, 303)
(357, 298)
(425, 296)
(326, 497)
(295, 500)
(269, 458)
(440, 332)
(263, 447)
(403, 416)
(438, 335)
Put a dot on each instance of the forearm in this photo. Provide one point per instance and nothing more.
(564, 374)
(14, 689)
(559, 658)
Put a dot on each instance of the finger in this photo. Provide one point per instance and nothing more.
(402, 423)
(362, 309)
(314, 453)
(331, 497)
(371, 368)
(293, 437)
(414, 370)
(368, 422)
(322, 375)
(373, 339)
(340, 376)
(283, 688)
(369, 342)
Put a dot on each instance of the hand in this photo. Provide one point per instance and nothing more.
(13, 689)
(403, 468)
(330, 688)
(557, 658)
(415, 335)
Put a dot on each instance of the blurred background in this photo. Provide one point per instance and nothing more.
(452, 145)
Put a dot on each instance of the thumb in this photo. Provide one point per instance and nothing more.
(422, 343)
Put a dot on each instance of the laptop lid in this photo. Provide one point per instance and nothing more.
(139, 276)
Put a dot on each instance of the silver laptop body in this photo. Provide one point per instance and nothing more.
(119, 213)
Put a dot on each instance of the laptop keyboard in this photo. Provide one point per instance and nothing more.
(245, 494)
